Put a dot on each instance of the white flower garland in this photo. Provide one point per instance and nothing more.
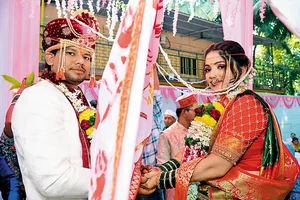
(64, 8)
(198, 139)
(77, 103)
(59, 12)
(90, 4)
(201, 131)
(193, 191)
(114, 17)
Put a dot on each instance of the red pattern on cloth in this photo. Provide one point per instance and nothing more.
(237, 181)
(186, 100)
(183, 177)
(242, 132)
(69, 29)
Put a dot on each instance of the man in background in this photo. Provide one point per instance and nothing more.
(291, 138)
(171, 140)
(169, 118)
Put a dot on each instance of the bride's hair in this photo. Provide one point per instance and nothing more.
(232, 52)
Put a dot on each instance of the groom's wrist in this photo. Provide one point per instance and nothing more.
(169, 165)
(167, 179)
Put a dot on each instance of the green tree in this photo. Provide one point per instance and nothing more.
(278, 64)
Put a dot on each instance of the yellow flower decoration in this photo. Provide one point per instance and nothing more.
(89, 131)
(218, 106)
(208, 120)
(198, 119)
(86, 114)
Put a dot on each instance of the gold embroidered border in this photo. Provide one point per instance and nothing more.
(183, 177)
(226, 152)
(126, 88)
(135, 180)
(243, 185)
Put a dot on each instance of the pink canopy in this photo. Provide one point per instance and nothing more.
(19, 39)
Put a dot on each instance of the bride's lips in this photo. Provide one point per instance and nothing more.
(214, 83)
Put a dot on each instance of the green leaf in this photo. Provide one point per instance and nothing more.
(30, 79)
(14, 87)
(209, 106)
(12, 80)
(92, 120)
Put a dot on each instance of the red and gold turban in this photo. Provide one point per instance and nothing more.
(79, 31)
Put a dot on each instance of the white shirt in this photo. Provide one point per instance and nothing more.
(48, 146)
(289, 140)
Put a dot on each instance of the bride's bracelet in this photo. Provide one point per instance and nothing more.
(166, 180)
(169, 165)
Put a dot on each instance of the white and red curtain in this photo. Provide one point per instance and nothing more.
(124, 117)
(19, 49)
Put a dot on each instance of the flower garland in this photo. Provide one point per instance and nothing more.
(59, 12)
(90, 4)
(73, 97)
(87, 115)
(262, 10)
(98, 6)
(175, 19)
(87, 121)
(64, 9)
(114, 17)
(198, 136)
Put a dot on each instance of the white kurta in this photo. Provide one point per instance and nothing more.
(48, 146)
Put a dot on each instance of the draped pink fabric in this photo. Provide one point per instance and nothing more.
(19, 39)
(237, 18)
(288, 13)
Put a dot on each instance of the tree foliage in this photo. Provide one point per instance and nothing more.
(278, 64)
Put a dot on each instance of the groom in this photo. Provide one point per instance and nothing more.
(52, 146)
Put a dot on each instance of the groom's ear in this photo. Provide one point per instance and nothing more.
(50, 60)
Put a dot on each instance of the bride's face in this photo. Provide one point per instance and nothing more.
(215, 70)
